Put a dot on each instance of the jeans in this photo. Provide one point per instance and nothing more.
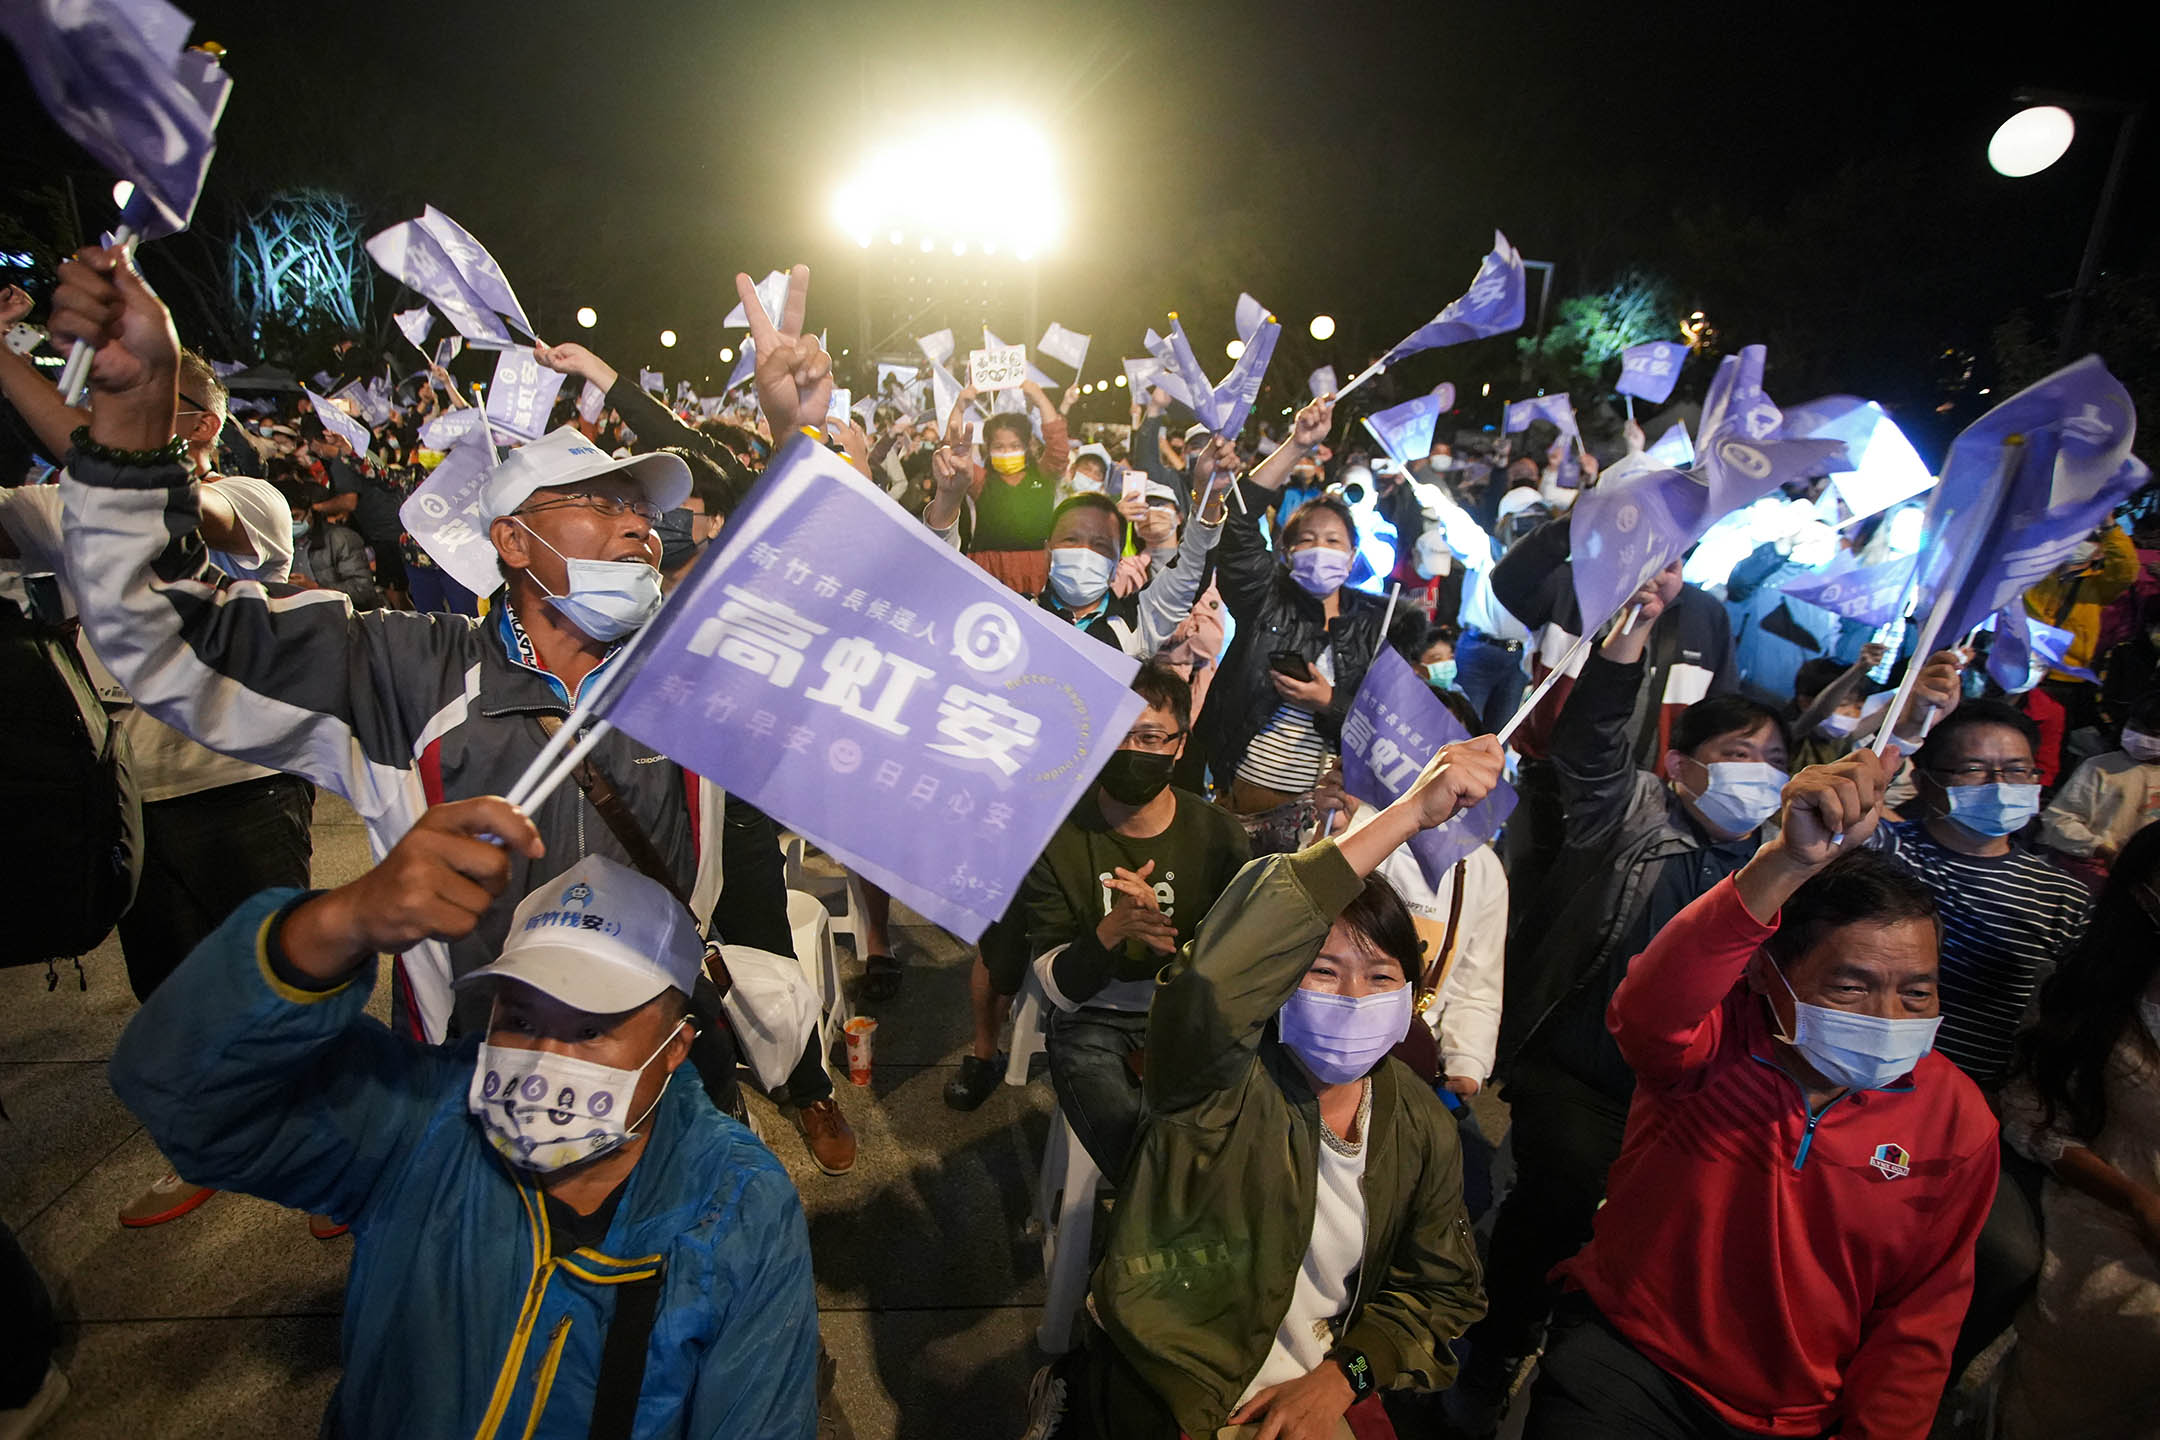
(434, 590)
(1491, 678)
(1593, 1385)
(1566, 1136)
(202, 855)
(1097, 1091)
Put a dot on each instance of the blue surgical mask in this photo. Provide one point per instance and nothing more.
(1741, 794)
(1860, 1052)
(1993, 809)
(608, 599)
(1079, 576)
(1340, 1037)
(1320, 570)
(1441, 673)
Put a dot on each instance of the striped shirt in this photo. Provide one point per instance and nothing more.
(2007, 920)
(1288, 753)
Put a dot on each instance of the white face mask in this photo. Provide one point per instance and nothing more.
(608, 599)
(1859, 1052)
(1741, 794)
(1078, 576)
(2141, 747)
(1836, 727)
(543, 1111)
(1997, 808)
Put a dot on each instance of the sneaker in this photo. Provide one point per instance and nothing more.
(22, 1422)
(826, 1131)
(168, 1199)
(1046, 1404)
(977, 1081)
(323, 1227)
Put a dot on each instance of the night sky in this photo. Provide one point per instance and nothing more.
(1814, 169)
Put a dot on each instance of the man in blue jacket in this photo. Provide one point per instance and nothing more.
(551, 1239)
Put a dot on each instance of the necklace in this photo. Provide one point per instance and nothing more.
(1350, 1150)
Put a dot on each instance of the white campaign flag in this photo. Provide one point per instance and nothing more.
(1067, 347)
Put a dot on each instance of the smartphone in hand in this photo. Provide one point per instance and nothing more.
(1290, 663)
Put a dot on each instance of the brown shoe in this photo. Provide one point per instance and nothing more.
(168, 1199)
(830, 1138)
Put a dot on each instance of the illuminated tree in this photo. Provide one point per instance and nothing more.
(297, 268)
(1579, 351)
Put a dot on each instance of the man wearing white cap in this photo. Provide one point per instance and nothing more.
(398, 711)
(551, 1238)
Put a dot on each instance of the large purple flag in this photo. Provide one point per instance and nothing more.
(1880, 469)
(1870, 594)
(2000, 519)
(886, 698)
(522, 395)
(414, 325)
(1222, 408)
(117, 78)
(1624, 531)
(2026, 648)
(475, 266)
(1492, 305)
(1393, 729)
(337, 422)
(1556, 408)
(411, 253)
(1673, 447)
(1742, 454)
(446, 427)
(444, 515)
(1650, 371)
(1407, 429)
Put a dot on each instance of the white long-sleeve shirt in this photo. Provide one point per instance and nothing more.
(2108, 799)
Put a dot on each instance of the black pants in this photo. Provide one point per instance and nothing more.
(2006, 1259)
(1593, 1385)
(1097, 1090)
(1566, 1136)
(27, 1335)
(202, 855)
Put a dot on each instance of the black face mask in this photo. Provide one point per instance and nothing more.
(1134, 777)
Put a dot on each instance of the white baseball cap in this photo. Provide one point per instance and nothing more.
(601, 938)
(565, 457)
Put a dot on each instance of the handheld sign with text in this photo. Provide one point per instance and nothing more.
(522, 395)
(1002, 368)
(1393, 729)
(1650, 371)
(887, 699)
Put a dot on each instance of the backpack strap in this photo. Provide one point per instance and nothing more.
(622, 1357)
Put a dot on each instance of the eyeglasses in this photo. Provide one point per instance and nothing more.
(1977, 773)
(611, 506)
(1154, 739)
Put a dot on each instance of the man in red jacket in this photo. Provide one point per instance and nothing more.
(1786, 1246)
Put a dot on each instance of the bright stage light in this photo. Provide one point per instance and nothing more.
(2031, 140)
(928, 244)
(1119, 381)
(122, 192)
(667, 338)
(587, 316)
(727, 353)
(1234, 349)
(1024, 217)
(1322, 327)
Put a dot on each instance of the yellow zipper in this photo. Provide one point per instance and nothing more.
(546, 1382)
(535, 1292)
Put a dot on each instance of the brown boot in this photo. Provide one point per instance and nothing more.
(826, 1131)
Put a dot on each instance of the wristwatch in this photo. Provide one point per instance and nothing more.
(1355, 1368)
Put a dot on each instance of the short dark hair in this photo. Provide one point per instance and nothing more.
(1727, 714)
(2144, 716)
(1815, 676)
(707, 482)
(1383, 922)
(1333, 504)
(1015, 425)
(1164, 689)
(1465, 713)
(1086, 500)
(199, 381)
(1968, 715)
(1860, 887)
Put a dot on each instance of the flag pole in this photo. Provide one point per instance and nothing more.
(75, 375)
(1552, 677)
(1387, 616)
(1630, 399)
(1362, 376)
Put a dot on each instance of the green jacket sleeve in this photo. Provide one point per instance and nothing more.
(1251, 950)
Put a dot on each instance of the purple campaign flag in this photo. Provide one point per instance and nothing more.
(1650, 371)
(374, 401)
(1556, 408)
(446, 427)
(772, 298)
(118, 78)
(1624, 531)
(1493, 305)
(446, 350)
(1251, 315)
(337, 422)
(415, 324)
(1141, 374)
(937, 347)
(522, 395)
(1406, 430)
(1881, 467)
(444, 516)
(1067, 347)
(1393, 729)
(1870, 594)
(745, 366)
(1673, 448)
(652, 382)
(887, 699)
(2004, 516)
(1321, 381)
(1222, 408)
(590, 402)
(412, 254)
(475, 266)
(2027, 648)
(1744, 454)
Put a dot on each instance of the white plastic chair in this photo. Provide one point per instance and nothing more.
(853, 921)
(1065, 1209)
(810, 925)
(1030, 1029)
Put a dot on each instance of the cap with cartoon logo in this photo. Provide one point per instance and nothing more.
(565, 457)
(601, 938)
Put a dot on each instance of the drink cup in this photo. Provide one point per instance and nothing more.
(860, 1031)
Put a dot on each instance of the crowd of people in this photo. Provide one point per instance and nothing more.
(1828, 1038)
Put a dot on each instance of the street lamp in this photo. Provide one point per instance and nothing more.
(1234, 349)
(587, 317)
(1322, 327)
(1119, 381)
(667, 339)
(2035, 138)
(727, 354)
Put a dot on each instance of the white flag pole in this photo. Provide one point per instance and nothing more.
(554, 778)
(1387, 617)
(75, 375)
(1362, 376)
(1630, 405)
(1552, 677)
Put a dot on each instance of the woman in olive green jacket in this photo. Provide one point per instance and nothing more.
(1291, 1236)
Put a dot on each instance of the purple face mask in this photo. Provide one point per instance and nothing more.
(1319, 570)
(1340, 1038)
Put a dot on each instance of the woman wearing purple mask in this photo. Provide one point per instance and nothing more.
(1290, 1239)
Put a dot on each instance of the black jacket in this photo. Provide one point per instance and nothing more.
(1273, 614)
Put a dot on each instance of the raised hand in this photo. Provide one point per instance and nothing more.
(1830, 808)
(1456, 778)
(571, 358)
(104, 302)
(1313, 422)
(1938, 688)
(793, 374)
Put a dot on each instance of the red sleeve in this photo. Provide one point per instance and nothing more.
(1895, 1380)
(1667, 1015)
(1057, 445)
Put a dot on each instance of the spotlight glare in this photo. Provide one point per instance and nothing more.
(727, 353)
(667, 338)
(1234, 349)
(1119, 381)
(1322, 327)
(2031, 140)
(959, 247)
(928, 244)
(587, 316)
(122, 192)
(894, 237)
